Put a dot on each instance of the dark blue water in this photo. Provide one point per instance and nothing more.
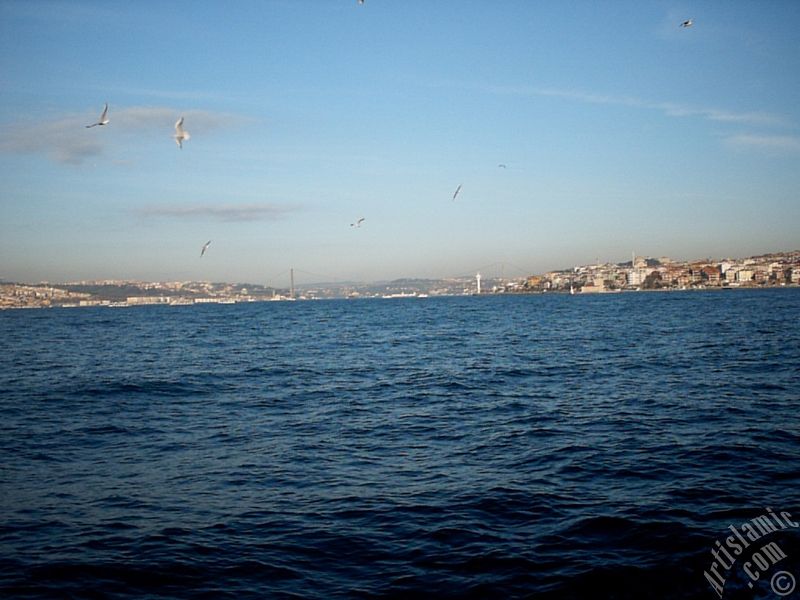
(493, 447)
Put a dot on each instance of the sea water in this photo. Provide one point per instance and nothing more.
(488, 447)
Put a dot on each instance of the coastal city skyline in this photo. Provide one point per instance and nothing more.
(569, 133)
(640, 273)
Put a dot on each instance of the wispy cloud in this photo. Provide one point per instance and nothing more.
(714, 114)
(162, 94)
(765, 142)
(220, 212)
(142, 118)
(65, 139)
(670, 109)
(753, 119)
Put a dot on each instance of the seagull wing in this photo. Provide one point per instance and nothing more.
(102, 120)
(179, 126)
(458, 189)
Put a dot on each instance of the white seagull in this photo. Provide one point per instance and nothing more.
(205, 247)
(687, 23)
(458, 189)
(358, 222)
(103, 120)
(180, 134)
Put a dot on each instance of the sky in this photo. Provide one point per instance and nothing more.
(619, 130)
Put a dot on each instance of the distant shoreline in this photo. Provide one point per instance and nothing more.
(178, 301)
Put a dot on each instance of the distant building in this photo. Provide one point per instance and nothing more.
(637, 276)
(711, 274)
(534, 281)
(672, 274)
(598, 285)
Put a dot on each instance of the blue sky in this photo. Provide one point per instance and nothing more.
(619, 129)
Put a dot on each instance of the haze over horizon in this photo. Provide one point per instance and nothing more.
(618, 130)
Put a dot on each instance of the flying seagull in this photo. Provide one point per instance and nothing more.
(687, 23)
(458, 189)
(205, 247)
(502, 166)
(180, 134)
(358, 222)
(103, 120)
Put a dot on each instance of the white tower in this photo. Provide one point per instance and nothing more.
(478, 279)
